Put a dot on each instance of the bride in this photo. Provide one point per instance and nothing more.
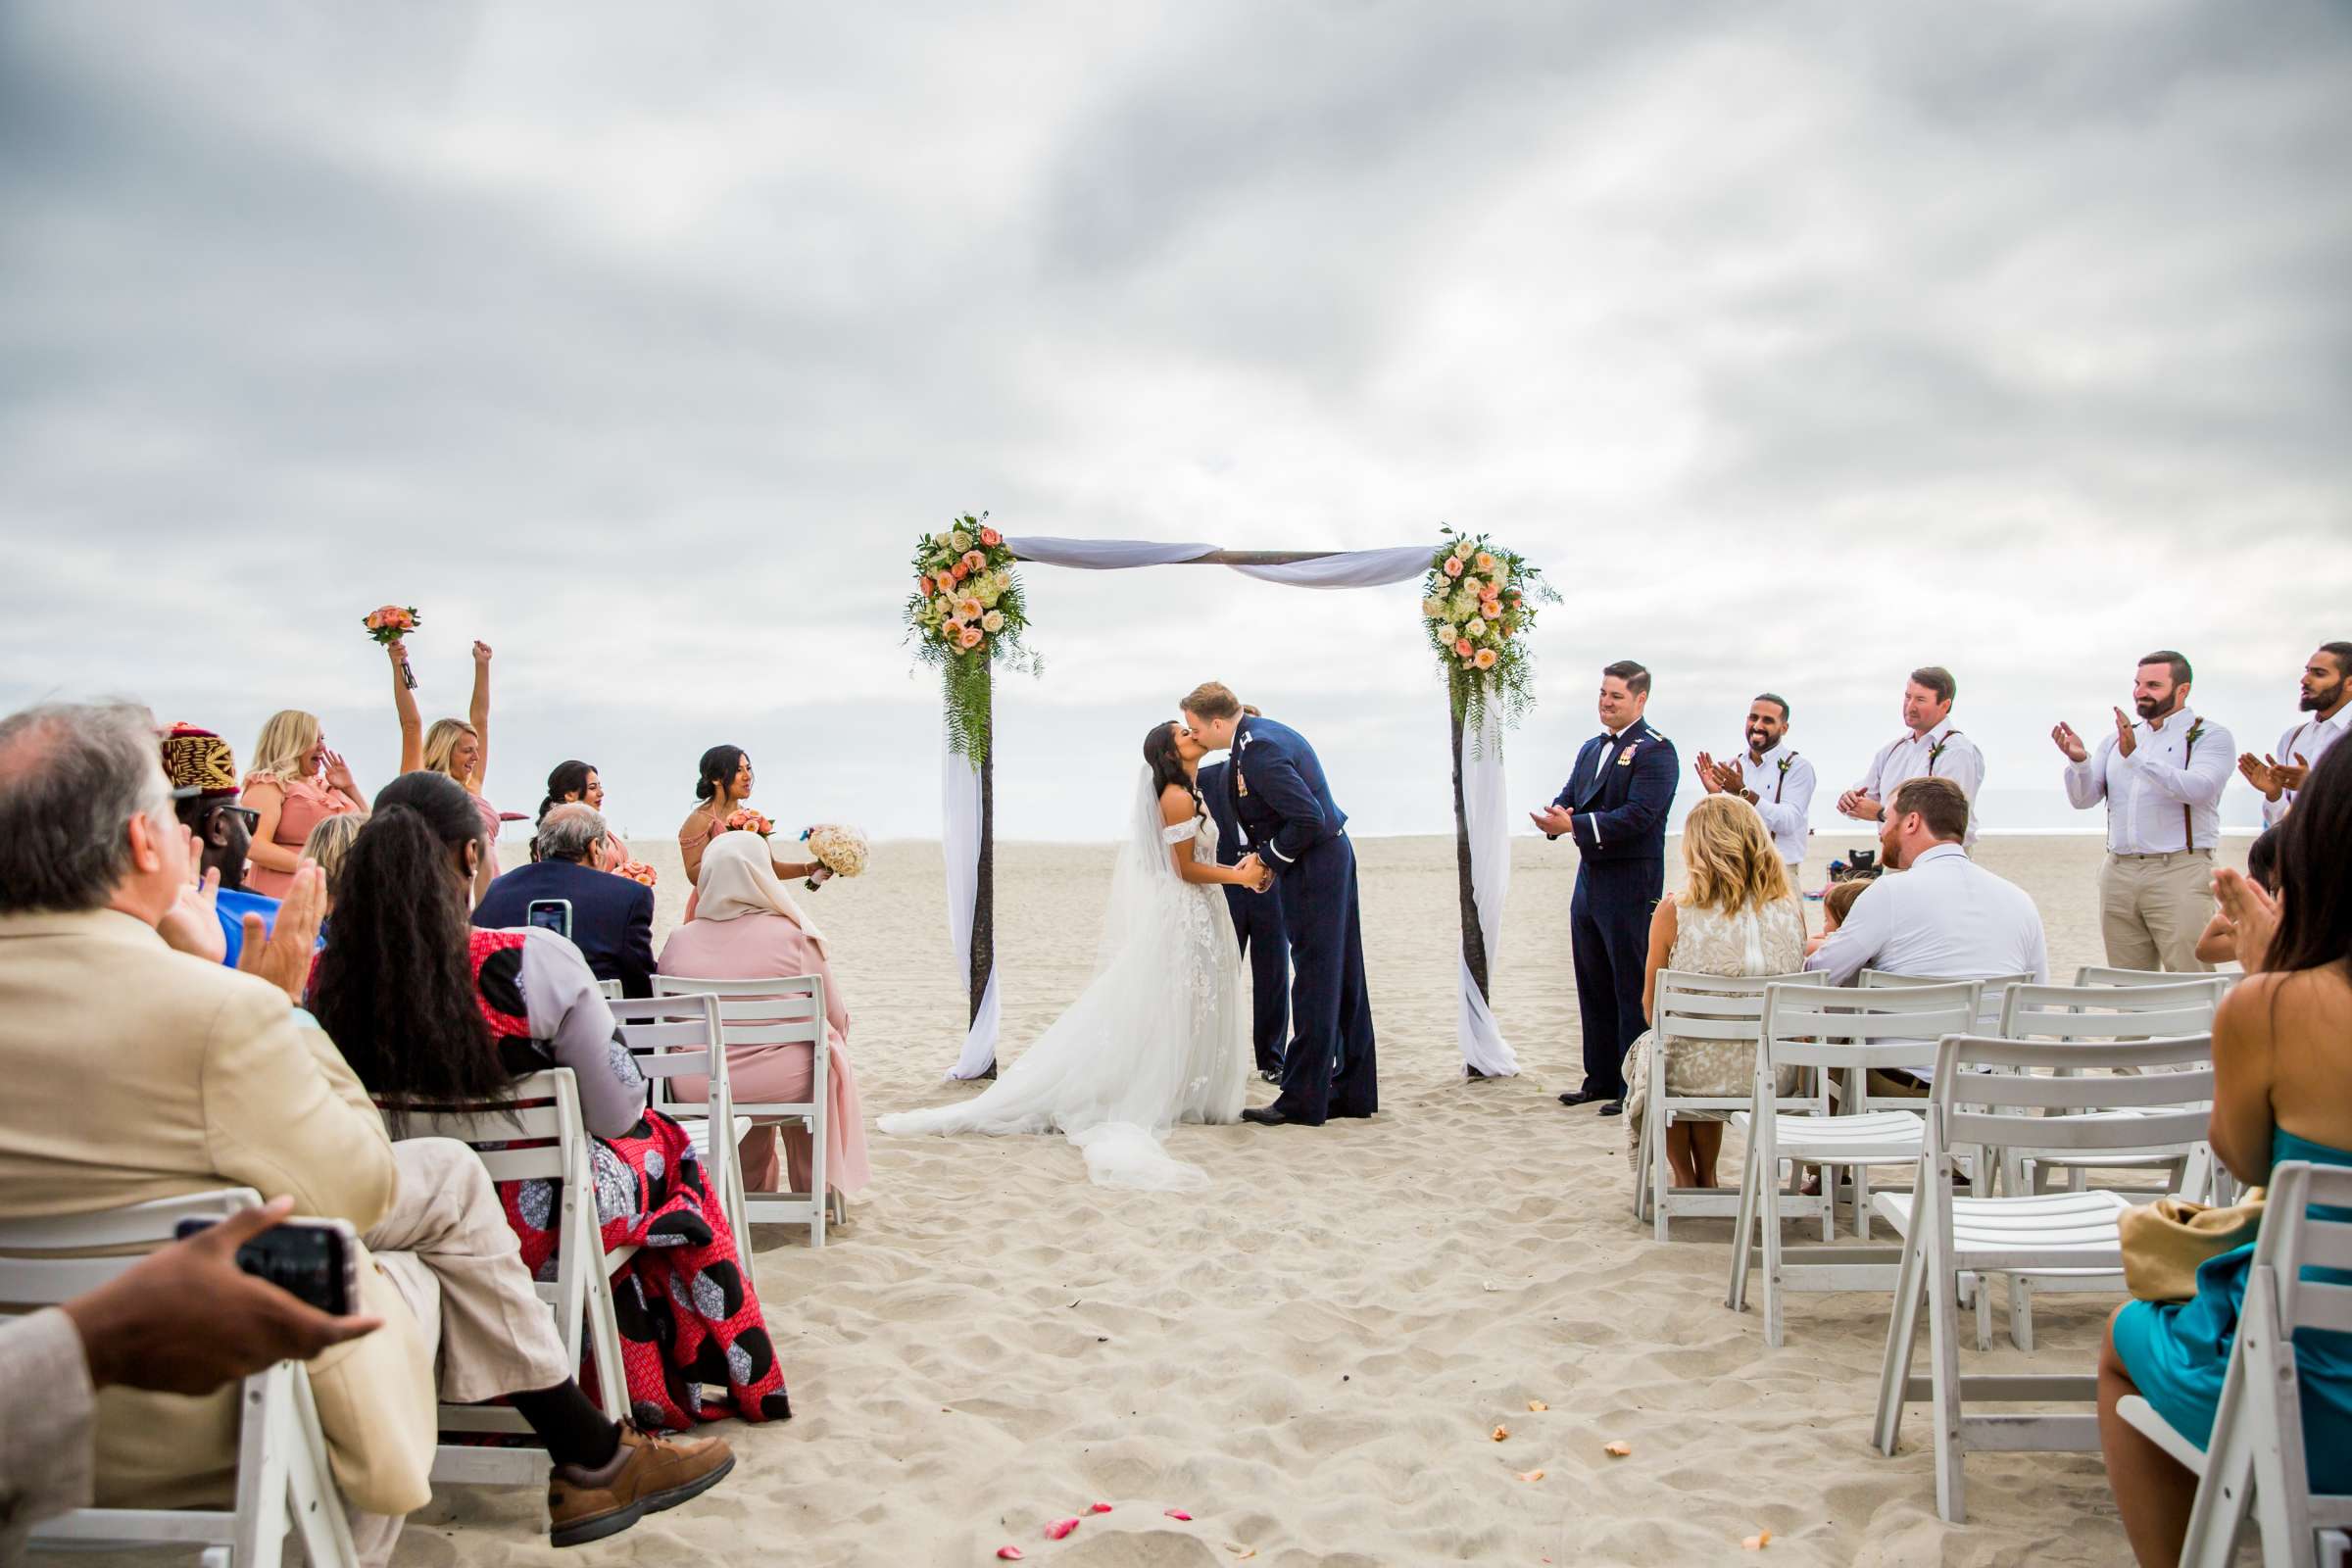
(1160, 1035)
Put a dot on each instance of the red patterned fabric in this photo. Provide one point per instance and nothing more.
(693, 1342)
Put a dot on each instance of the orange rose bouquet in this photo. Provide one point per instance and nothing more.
(743, 819)
(388, 624)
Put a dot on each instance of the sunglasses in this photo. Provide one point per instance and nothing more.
(250, 818)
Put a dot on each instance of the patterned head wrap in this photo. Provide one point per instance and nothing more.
(199, 765)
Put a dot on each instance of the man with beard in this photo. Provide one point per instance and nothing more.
(1770, 777)
(1946, 916)
(2327, 699)
(2162, 778)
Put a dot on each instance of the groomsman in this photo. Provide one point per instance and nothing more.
(1257, 922)
(2162, 776)
(1615, 806)
(1931, 748)
(2327, 699)
(1770, 777)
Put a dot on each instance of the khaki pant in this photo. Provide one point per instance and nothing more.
(2153, 907)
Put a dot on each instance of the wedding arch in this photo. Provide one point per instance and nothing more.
(968, 615)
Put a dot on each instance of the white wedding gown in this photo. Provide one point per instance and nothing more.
(1160, 1035)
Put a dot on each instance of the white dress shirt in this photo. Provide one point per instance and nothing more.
(1782, 784)
(2312, 738)
(1946, 916)
(1942, 753)
(2166, 795)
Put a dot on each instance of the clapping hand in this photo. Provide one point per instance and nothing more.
(186, 1319)
(2272, 776)
(2250, 911)
(1732, 778)
(1710, 777)
(1855, 804)
(193, 925)
(1553, 819)
(281, 954)
(2070, 743)
(2126, 742)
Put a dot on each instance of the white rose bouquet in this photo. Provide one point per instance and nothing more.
(837, 847)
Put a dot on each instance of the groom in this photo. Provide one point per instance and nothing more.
(1275, 786)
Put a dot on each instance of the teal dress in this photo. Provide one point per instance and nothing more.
(2176, 1352)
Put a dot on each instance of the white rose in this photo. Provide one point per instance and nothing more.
(993, 622)
(960, 541)
(1434, 607)
(1464, 550)
(1474, 631)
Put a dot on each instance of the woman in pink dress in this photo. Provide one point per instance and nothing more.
(747, 926)
(457, 747)
(295, 783)
(722, 784)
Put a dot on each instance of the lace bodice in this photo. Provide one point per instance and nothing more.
(1768, 941)
(1202, 830)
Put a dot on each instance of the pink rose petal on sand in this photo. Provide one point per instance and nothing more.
(1099, 1508)
(1061, 1527)
(1011, 1554)
(1178, 1513)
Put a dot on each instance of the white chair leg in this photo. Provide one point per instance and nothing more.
(1862, 1203)
(2021, 1312)
(1744, 1227)
(1655, 1127)
(1771, 1219)
(318, 1509)
(1902, 1327)
(266, 1412)
(1984, 1317)
(1826, 1175)
(1642, 1173)
(1943, 1372)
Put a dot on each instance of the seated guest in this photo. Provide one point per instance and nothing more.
(612, 916)
(183, 1320)
(2281, 1091)
(326, 846)
(1944, 915)
(203, 771)
(747, 926)
(2219, 944)
(1736, 914)
(1836, 904)
(428, 1009)
(108, 954)
(295, 783)
(578, 784)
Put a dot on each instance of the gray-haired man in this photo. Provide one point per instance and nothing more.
(608, 918)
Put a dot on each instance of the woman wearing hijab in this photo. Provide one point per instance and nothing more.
(747, 926)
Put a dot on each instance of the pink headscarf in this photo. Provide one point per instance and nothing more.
(739, 878)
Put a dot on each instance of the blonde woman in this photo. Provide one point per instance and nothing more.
(457, 747)
(294, 784)
(329, 842)
(1736, 914)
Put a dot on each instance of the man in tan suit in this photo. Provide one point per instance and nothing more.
(140, 1068)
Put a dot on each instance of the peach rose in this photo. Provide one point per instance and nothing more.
(990, 538)
(969, 607)
(1485, 561)
(974, 560)
(1490, 593)
(1492, 610)
(1461, 647)
(1485, 658)
(971, 637)
(958, 571)
(1454, 567)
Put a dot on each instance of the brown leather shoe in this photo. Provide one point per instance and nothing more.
(648, 1475)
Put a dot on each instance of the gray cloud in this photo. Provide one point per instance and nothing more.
(1804, 346)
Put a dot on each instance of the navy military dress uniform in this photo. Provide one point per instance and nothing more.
(1276, 790)
(1258, 925)
(1618, 798)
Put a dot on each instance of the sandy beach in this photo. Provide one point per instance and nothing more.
(1311, 1358)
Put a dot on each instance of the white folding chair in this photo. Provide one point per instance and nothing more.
(2254, 1461)
(1699, 1007)
(610, 989)
(1989, 1010)
(2101, 974)
(581, 1293)
(1982, 1088)
(2095, 1012)
(785, 1011)
(283, 1481)
(1828, 1030)
(672, 1037)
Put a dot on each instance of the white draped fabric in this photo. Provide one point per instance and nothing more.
(1485, 803)
(960, 783)
(1486, 814)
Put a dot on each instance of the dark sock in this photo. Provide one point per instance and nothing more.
(574, 1431)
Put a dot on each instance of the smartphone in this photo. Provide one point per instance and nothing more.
(313, 1260)
(551, 915)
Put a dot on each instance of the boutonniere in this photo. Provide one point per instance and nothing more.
(2195, 731)
(1785, 761)
(1936, 751)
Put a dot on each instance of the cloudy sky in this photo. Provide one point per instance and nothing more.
(1802, 344)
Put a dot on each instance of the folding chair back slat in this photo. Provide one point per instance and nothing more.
(2179, 1006)
(1990, 998)
(677, 1037)
(2101, 974)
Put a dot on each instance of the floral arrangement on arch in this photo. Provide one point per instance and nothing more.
(967, 613)
(1479, 602)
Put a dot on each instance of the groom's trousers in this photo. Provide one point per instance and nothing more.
(1258, 925)
(1608, 936)
(1331, 1011)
